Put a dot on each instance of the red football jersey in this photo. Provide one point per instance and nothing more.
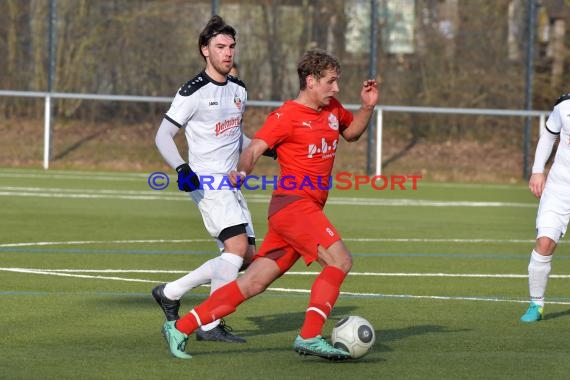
(306, 141)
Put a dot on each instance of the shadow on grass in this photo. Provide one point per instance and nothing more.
(216, 349)
(278, 323)
(269, 324)
(386, 336)
(286, 322)
(290, 323)
(557, 315)
(264, 324)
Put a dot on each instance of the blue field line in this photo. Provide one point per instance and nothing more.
(188, 296)
(490, 256)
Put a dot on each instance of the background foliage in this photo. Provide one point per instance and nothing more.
(442, 53)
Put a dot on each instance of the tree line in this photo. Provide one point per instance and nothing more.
(446, 53)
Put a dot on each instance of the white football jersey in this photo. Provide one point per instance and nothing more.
(559, 123)
(211, 114)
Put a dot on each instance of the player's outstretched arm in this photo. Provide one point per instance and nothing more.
(247, 160)
(368, 98)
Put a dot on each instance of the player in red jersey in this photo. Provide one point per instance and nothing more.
(305, 133)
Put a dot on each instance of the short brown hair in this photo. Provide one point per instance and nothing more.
(216, 25)
(315, 62)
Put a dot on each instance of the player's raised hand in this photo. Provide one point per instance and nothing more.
(369, 93)
(536, 184)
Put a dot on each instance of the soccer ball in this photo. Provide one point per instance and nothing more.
(353, 334)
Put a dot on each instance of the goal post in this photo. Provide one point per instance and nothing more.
(379, 115)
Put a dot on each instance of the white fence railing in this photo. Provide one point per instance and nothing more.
(442, 110)
(380, 110)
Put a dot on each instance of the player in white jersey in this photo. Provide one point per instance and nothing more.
(209, 108)
(554, 209)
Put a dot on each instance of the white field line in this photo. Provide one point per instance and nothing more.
(372, 274)
(186, 241)
(85, 191)
(254, 198)
(437, 240)
(447, 298)
(57, 272)
(419, 203)
(88, 242)
(54, 174)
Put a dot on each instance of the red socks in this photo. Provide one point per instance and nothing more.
(324, 293)
(222, 302)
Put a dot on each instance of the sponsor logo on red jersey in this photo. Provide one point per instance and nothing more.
(333, 122)
(327, 149)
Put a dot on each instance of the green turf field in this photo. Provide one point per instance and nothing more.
(440, 272)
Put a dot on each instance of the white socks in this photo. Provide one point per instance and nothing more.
(199, 276)
(538, 271)
(226, 269)
(217, 271)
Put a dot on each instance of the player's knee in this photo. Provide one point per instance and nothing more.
(256, 279)
(545, 245)
(252, 288)
(336, 255)
(346, 263)
(257, 287)
(248, 258)
(235, 240)
(342, 261)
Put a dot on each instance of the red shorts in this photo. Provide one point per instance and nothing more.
(295, 231)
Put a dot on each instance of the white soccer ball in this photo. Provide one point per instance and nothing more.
(353, 334)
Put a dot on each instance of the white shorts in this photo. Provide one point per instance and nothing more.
(221, 209)
(553, 214)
